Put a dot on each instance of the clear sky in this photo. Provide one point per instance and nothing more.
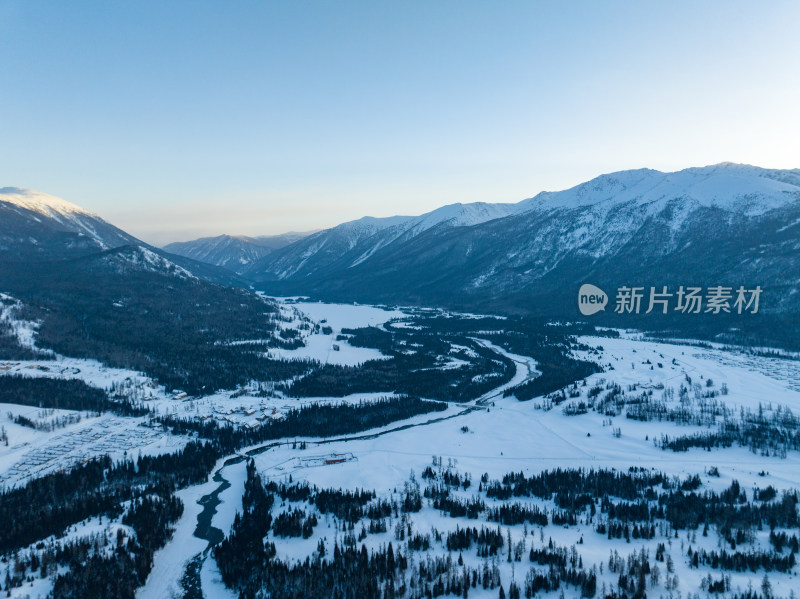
(180, 119)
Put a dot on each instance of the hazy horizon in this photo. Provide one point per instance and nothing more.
(190, 120)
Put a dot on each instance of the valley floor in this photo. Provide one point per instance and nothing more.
(484, 439)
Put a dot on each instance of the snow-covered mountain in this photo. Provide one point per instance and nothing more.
(599, 217)
(355, 242)
(733, 187)
(35, 225)
(723, 224)
(236, 253)
(94, 291)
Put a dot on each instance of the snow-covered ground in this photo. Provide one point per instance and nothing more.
(326, 348)
(520, 436)
(351, 316)
(491, 434)
(750, 379)
(323, 349)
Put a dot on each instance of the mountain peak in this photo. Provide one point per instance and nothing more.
(42, 225)
(729, 186)
(40, 202)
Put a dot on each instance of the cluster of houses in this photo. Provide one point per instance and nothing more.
(17, 367)
(246, 416)
(650, 386)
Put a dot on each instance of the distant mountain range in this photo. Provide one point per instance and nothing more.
(726, 224)
(358, 242)
(236, 253)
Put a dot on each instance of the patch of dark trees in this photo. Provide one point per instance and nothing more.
(488, 541)
(64, 394)
(770, 435)
(557, 372)
(442, 499)
(243, 551)
(620, 530)
(516, 513)
(346, 506)
(563, 567)
(728, 511)
(47, 506)
(50, 504)
(176, 329)
(738, 561)
(319, 420)
(413, 368)
(294, 523)
(564, 485)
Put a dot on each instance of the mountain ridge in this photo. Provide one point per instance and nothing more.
(605, 208)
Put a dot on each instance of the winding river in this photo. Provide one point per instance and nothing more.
(205, 530)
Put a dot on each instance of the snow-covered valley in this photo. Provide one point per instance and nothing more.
(473, 442)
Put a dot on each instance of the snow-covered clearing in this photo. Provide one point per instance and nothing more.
(326, 348)
(351, 316)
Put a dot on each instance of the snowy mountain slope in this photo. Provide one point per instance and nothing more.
(592, 218)
(720, 225)
(35, 225)
(44, 204)
(235, 253)
(131, 304)
(734, 187)
(354, 242)
(128, 258)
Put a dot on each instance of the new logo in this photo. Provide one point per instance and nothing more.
(591, 299)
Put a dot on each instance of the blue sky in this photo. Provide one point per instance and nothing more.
(179, 119)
